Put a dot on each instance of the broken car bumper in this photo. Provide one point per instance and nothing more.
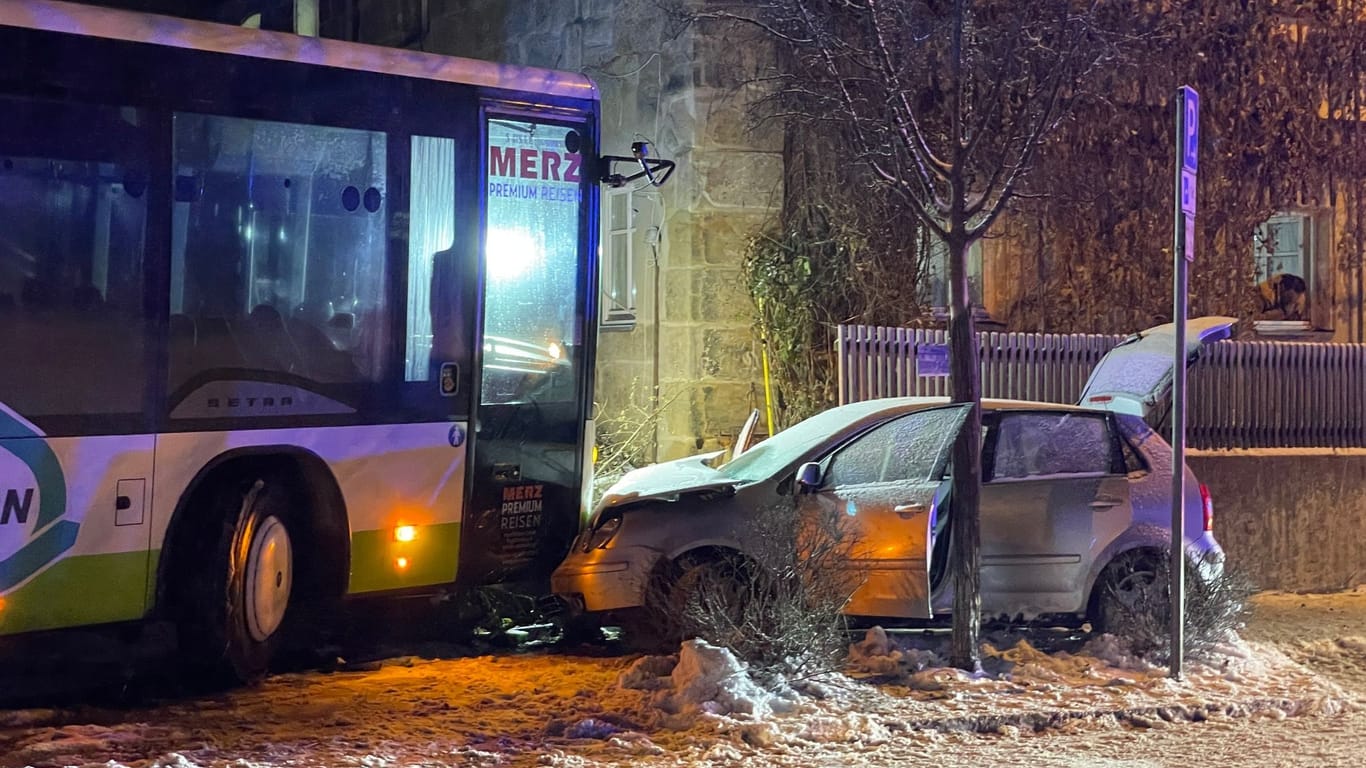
(605, 579)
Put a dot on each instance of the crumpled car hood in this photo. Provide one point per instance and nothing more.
(667, 481)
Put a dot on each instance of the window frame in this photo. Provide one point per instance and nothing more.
(1314, 255)
(146, 149)
(618, 315)
(990, 448)
(938, 472)
(937, 263)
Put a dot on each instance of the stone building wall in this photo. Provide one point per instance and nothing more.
(693, 341)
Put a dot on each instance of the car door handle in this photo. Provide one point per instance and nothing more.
(910, 510)
(1105, 502)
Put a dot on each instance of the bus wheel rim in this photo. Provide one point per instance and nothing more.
(270, 574)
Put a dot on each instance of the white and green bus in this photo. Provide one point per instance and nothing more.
(283, 321)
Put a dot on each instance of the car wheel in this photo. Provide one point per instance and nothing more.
(1129, 596)
(697, 595)
(719, 599)
(237, 598)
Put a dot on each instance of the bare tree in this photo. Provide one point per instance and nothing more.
(944, 103)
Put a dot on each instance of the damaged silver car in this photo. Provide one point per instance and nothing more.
(1075, 498)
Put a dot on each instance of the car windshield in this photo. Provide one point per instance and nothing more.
(772, 455)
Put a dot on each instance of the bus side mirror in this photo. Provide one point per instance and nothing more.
(809, 477)
(650, 168)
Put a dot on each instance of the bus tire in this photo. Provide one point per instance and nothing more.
(238, 597)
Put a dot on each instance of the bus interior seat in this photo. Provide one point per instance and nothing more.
(340, 329)
(322, 356)
(271, 340)
(216, 346)
(181, 339)
(37, 295)
(87, 298)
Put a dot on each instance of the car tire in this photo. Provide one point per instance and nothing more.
(236, 600)
(718, 598)
(714, 585)
(689, 597)
(1128, 593)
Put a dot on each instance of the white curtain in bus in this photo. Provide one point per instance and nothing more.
(431, 230)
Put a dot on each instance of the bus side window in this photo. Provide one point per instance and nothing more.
(438, 323)
(279, 246)
(73, 210)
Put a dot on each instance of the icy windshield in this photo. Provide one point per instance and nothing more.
(774, 454)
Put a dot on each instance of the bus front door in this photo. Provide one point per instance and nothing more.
(528, 438)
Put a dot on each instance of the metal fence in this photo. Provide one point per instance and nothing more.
(1243, 394)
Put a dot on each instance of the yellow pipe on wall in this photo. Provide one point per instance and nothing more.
(768, 377)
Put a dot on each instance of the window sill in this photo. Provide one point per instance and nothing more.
(621, 322)
(979, 314)
(1282, 327)
(1290, 330)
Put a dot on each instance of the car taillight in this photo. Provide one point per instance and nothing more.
(1207, 506)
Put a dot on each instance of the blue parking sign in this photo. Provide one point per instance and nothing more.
(1190, 111)
(932, 360)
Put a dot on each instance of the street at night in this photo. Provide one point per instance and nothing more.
(1293, 697)
(672, 383)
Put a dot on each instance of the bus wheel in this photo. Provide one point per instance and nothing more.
(242, 590)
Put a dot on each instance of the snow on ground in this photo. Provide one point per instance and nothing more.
(1291, 694)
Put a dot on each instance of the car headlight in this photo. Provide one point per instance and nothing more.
(602, 532)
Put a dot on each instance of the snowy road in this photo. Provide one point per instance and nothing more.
(1291, 696)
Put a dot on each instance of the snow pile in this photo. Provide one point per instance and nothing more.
(706, 679)
(1115, 652)
(843, 728)
(591, 728)
(1022, 686)
(649, 673)
(876, 654)
(50, 743)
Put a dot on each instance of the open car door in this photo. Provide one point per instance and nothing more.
(880, 494)
(1136, 376)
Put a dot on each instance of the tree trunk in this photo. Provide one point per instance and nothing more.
(965, 528)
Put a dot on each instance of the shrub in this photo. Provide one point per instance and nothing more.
(1137, 607)
(778, 606)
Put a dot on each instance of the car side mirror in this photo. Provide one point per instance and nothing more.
(809, 477)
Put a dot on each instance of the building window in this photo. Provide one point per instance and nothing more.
(935, 279)
(618, 261)
(1282, 250)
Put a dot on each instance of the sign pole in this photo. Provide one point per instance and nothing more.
(1183, 252)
